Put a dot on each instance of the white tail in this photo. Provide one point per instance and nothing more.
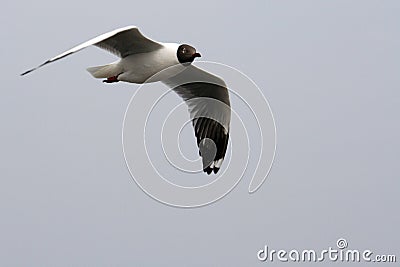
(105, 71)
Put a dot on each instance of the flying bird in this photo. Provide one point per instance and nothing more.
(143, 60)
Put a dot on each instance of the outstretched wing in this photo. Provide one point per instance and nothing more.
(121, 42)
(207, 98)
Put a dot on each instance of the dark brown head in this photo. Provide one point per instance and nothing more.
(186, 53)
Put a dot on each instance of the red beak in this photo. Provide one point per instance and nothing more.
(196, 55)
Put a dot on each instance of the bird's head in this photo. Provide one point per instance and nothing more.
(186, 53)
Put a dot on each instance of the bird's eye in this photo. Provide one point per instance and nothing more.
(184, 50)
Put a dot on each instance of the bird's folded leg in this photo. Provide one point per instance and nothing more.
(113, 79)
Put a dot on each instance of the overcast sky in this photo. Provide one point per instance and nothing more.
(329, 71)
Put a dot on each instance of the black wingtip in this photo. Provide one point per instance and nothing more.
(26, 72)
(208, 170)
(41, 65)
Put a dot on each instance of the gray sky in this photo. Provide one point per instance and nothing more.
(328, 70)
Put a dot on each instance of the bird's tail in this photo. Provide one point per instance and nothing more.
(105, 71)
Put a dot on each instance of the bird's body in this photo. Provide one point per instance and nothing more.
(142, 67)
(143, 60)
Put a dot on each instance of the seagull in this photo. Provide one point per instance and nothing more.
(143, 60)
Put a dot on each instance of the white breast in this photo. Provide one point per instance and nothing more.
(151, 66)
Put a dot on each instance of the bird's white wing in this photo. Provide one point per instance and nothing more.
(121, 42)
(207, 98)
